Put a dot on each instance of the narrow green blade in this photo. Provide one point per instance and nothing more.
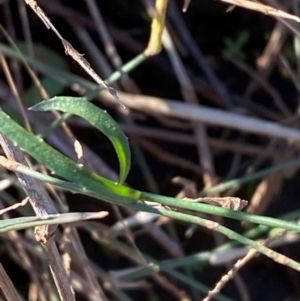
(20, 223)
(99, 118)
(65, 167)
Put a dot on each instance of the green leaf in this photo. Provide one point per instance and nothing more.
(59, 164)
(20, 223)
(98, 118)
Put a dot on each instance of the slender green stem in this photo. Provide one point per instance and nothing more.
(255, 176)
(94, 92)
(264, 220)
(233, 235)
(173, 202)
(154, 265)
(69, 79)
(198, 259)
(128, 67)
(213, 225)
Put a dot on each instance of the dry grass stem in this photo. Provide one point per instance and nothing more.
(234, 115)
(7, 287)
(171, 108)
(15, 206)
(262, 8)
(227, 277)
(70, 50)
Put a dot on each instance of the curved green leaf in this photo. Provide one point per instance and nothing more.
(65, 167)
(98, 118)
(101, 188)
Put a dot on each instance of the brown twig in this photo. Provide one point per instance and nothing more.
(189, 95)
(70, 50)
(262, 8)
(7, 286)
(227, 202)
(184, 111)
(240, 263)
(42, 206)
(199, 59)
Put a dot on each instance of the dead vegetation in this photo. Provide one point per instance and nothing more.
(196, 118)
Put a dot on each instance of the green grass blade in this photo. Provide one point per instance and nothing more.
(21, 223)
(98, 118)
(101, 188)
(63, 166)
(215, 210)
(110, 191)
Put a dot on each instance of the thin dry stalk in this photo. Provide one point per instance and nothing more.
(227, 202)
(164, 240)
(128, 84)
(241, 262)
(283, 62)
(17, 247)
(190, 96)
(99, 60)
(161, 280)
(217, 144)
(230, 275)
(87, 270)
(186, 5)
(7, 286)
(10, 26)
(26, 27)
(14, 89)
(40, 87)
(169, 158)
(262, 82)
(70, 50)
(15, 206)
(262, 8)
(110, 49)
(269, 188)
(58, 139)
(42, 206)
(164, 107)
(194, 51)
(268, 59)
